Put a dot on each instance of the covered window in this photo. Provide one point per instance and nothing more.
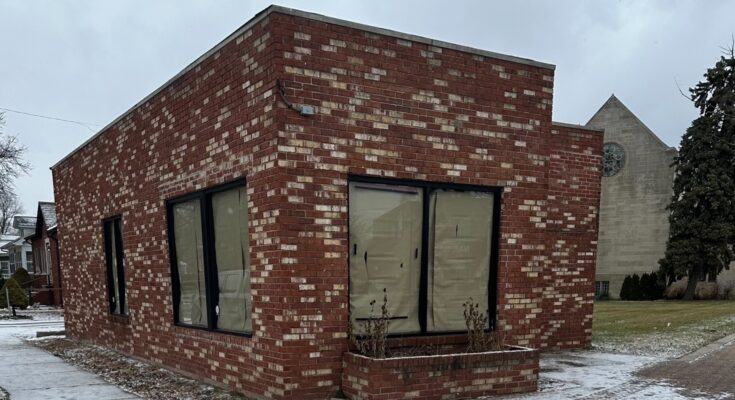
(430, 246)
(208, 236)
(115, 263)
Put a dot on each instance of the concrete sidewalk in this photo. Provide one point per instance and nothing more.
(29, 373)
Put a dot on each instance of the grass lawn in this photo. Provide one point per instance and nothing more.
(654, 326)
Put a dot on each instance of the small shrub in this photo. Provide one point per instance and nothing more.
(22, 277)
(727, 290)
(676, 290)
(625, 289)
(635, 287)
(372, 343)
(478, 338)
(18, 297)
(703, 291)
(646, 287)
(706, 291)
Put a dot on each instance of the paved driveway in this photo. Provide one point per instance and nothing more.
(709, 370)
(29, 373)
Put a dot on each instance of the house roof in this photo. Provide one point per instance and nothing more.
(315, 17)
(5, 239)
(24, 221)
(18, 241)
(48, 212)
(46, 215)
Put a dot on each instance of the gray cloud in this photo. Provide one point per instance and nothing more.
(92, 60)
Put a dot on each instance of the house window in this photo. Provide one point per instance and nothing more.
(11, 262)
(430, 246)
(210, 259)
(29, 262)
(115, 262)
(602, 288)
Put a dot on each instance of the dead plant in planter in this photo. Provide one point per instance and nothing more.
(372, 341)
(479, 339)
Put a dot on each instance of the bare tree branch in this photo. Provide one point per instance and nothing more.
(12, 163)
(9, 207)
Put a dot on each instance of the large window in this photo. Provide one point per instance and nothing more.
(431, 247)
(208, 236)
(115, 263)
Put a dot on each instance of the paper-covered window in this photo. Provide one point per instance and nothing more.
(385, 240)
(460, 226)
(211, 259)
(429, 246)
(190, 263)
(230, 216)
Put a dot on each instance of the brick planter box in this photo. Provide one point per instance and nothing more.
(441, 376)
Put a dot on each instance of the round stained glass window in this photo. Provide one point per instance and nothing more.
(613, 159)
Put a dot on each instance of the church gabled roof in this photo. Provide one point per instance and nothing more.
(613, 101)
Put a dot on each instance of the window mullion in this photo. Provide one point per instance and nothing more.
(213, 288)
(209, 282)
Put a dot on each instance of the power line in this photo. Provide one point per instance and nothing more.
(84, 124)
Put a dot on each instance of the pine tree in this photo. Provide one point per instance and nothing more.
(17, 296)
(625, 289)
(702, 219)
(635, 287)
(22, 277)
(645, 286)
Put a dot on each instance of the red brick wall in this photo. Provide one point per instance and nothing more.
(47, 294)
(56, 271)
(213, 124)
(385, 107)
(444, 377)
(572, 223)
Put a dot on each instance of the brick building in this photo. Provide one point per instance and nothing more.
(230, 224)
(45, 251)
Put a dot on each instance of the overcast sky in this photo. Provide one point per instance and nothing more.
(90, 61)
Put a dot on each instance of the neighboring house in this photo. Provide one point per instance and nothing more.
(45, 255)
(4, 256)
(20, 253)
(636, 189)
(234, 222)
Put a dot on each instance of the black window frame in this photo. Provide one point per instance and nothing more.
(602, 288)
(116, 222)
(209, 256)
(427, 188)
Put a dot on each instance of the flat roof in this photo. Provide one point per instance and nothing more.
(316, 17)
(576, 126)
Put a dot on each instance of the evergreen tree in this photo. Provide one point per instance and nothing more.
(17, 295)
(625, 289)
(702, 219)
(645, 287)
(635, 287)
(22, 277)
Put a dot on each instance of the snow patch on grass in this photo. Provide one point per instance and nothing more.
(668, 344)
